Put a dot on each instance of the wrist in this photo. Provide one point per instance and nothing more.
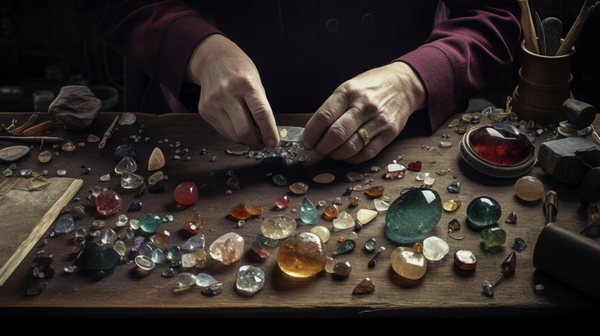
(412, 84)
(207, 47)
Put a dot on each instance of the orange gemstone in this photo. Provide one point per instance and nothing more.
(353, 201)
(241, 211)
(256, 210)
(341, 239)
(331, 211)
(375, 191)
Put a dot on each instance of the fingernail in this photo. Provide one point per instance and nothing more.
(272, 142)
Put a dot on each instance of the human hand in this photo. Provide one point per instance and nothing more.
(231, 94)
(378, 101)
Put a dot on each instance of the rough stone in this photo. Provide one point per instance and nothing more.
(75, 107)
(228, 248)
(568, 160)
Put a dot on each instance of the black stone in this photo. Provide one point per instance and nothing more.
(125, 150)
(158, 186)
(135, 206)
(95, 258)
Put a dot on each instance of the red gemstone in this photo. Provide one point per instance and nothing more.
(186, 193)
(415, 166)
(500, 146)
(282, 202)
(228, 192)
(108, 202)
(191, 227)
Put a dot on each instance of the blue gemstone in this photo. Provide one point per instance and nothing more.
(135, 206)
(125, 150)
(308, 212)
(65, 223)
(483, 212)
(412, 215)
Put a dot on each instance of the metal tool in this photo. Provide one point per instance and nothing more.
(46, 139)
(290, 133)
(553, 28)
(541, 35)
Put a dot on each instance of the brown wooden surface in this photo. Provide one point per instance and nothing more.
(443, 292)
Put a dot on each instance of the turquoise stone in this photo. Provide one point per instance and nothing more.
(308, 212)
(150, 223)
(483, 211)
(493, 236)
(412, 215)
(347, 246)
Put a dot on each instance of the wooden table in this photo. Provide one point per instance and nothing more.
(443, 292)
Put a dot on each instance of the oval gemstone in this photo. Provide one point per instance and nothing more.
(529, 188)
(302, 255)
(108, 202)
(412, 215)
(500, 146)
(408, 264)
(186, 193)
(483, 211)
(150, 223)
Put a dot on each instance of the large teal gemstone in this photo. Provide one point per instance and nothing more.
(150, 223)
(483, 212)
(412, 215)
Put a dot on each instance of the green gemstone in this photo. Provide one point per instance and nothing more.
(487, 288)
(150, 223)
(494, 236)
(483, 211)
(347, 246)
(412, 215)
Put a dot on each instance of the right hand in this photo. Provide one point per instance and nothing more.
(231, 94)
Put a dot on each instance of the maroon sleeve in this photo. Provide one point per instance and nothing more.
(157, 36)
(465, 53)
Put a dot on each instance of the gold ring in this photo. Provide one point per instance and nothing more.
(364, 135)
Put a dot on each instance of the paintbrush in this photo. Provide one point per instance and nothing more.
(588, 7)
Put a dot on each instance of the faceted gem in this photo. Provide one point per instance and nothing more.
(365, 286)
(381, 205)
(194, 243)
(65, 223)
(503, 146)
(278, 227)
(144, 262)
(346, 247)
(149, 223)
(454, 187)
(408, 264)
(483, 211)
(465, 260)
(249, 280)
(493, 236)
(415, 166)
(370, 244)
(186, 193)
(263, 246)
(511, 219)
(205, 280)
(186, 279)
(520, 244)
(126, 165)
(412, 215)
(342, 269)
(131, 180)
(283, 202)
(299, 188)
(324, 178)
(451, 205)
(308, 212)
(394, 171)
(233, 182)
(435, 248)
(322, 232)
(125, 150)
(228, 248)
(364, 216)
(241, 211)
(108, 202)
(344, 221)
(331, 212)
(279, 180)
(157, 160)
(529, 188)
(302, 255)
(375, 191)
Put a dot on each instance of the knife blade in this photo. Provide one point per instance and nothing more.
(541, 34)
(290, 133)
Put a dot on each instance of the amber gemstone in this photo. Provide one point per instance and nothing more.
(529, 188)
(500, 146)
(365, 286)
(302, 255)
(375, 191)
(257, 210)
(331, 211)
(241, 211)
(299, 188)
(451, 205)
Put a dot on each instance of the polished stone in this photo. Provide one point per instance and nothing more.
(344, 221)
(375, 191)
(108, 202)
(331, 212)
(381, 205)
(241, 211)
(299, 188)
(364, 216)
(126, 165)
(434, 248)
(324, 178)
(125, 150)
(412, 215)
(194, 243)
(370, 244)
(228, 248)
(451, 205)
(408, 263)
(415, 166)
(500, 146)
(250, 280)
(365, 286)
(205, 280)
(483, 211)
(308, 212)
(278, 226)
(131, 180)
(493, 236)
(465, 260)
(302, 255)
(263, 246)
(511, 219)
(529, 188)
(282, 203)
(347, 246)
(454, 187)
(150, 223)
(186, 279)
(322, 232)
(156, 160)
(65, 223)
(342, 269)
(186, 193)
(519, 245)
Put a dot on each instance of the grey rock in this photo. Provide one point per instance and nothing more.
(569, 160)
(75, 107)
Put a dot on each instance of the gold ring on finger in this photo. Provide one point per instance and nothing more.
(364, 135)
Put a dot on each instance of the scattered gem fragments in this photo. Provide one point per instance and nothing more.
(408, 263)
(125, 150)
(299, 188)
(493, 236)
(346, 246)
(186, 193)
(365, 286)
(483, 211)
(156, 160)
(529, 188)
(282, 203)
(364, 216)
(126, 165)
(324, 178)
(302, 255)
(412, 215)
(394, 171)
(250, 280)
(65, 223)
(519, 245)
(511, 219)
(415, 166)
(263, 246)
(308, 212)
(228, 248)
(108, 202)
(454, 225)
(342, 269)
(278, 227)
(150, 223)
(454, 187)
(343, 221)
(434, 248)
(375, 191)
(465, 260)
(451, 205)
(322, 232)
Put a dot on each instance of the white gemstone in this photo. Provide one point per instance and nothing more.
(394, 167)
(322, 232)
(186, 279)
(120, 247)
(381, 205)
(364, 216)
(421, 176)
(109, 237)
(344, 221)
(329, 265)
(195, 243)
(428, 180)
(435, 248)
(188, 260)
(205, 280)
(250, 280)
(134, 223)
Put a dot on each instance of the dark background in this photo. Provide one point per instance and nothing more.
(46, 45)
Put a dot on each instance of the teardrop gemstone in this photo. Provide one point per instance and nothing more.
(412, 215)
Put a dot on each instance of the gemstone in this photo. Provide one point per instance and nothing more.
(126, 165)
(342, 269)
(144, 262)
(483, 211)
(205, 280)
(493, 236)
(408, 263)
(157, 160)
(156, 177)
(95, 258)
(302, 255)
(68, 146)
(149, 223)
(529, 188)
(214, 289)
(415, 166)
(375, 191)
(343, 221)
(65, 223)
(520, 244)
(263, 246)
(364, 216)
(370, 244)
(465, 260)
(445, 144)
(279, 180)
(186, 279)
(200, 256)
(283, 202)
(228, 248)
(487, 288)
(45, 156)
(299, 188)
(331, 212)
(428, 180)
(454, 187)
(421, 176)
(278, 227)
(365, 286)
(233, 182)
(127, 118)
(188, 260)
(412, 215)
(324, 178)
(250, 279)
(125, 150)
(241, 211)
(503, 146)
(186, 193)
(121, 220)
(381, 205)
(322, 232)
(174, 254)
(451, 205)
(346, 246)
(158, 256)
(511, 219)
(395, 171)
(308, 212)
(162, 237)
(135, 206)
(105, 177)
(108, 202)
(435, 248)
(131, 180)
(256, 210)
(194, 243)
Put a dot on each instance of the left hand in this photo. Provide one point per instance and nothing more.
(378, 101)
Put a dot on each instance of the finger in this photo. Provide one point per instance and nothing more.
(341, 130)
(221, 122)
(242, 124)
(356, 142)
(369, 151)
(321, 120)
(261, 112)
